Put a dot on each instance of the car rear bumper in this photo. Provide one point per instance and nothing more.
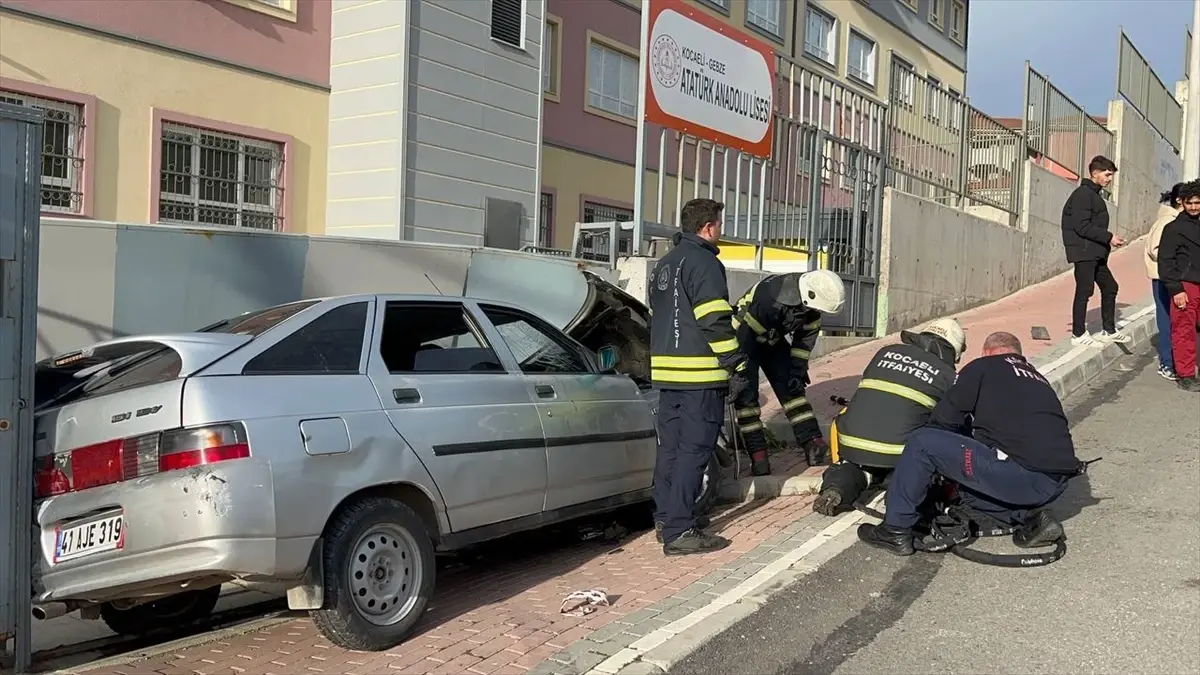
(209, 521)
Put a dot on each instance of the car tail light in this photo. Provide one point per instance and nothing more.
(128, 458)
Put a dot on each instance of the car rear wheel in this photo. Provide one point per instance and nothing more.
(173, 611)
(379, 575)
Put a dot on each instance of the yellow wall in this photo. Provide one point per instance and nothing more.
(130, 80)
(888, 37)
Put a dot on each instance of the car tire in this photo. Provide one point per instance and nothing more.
(710, 487)
(173, 611)
(378, 575)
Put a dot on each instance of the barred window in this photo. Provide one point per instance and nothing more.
(545, 220)
(214, 178)
(603, 213)
(62, 151)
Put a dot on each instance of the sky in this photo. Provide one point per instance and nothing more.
(1073, 43)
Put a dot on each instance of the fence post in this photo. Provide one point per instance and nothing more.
(816, 193)
(1083, 129)
(1024, 151)
(1045, 133)
(964, 157)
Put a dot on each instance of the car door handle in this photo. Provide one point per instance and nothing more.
(406, 395)
(544, 391)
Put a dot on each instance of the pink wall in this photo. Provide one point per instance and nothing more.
(214, 28)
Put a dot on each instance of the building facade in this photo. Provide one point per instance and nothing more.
(866, 48)
(192, 112)
(435, 120)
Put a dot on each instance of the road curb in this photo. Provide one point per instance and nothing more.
(1069, 368)
(766, 487)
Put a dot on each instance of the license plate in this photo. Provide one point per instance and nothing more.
(90, 537)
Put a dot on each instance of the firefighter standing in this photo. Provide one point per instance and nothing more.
(776, 309)
(693, 353)
(895, 397)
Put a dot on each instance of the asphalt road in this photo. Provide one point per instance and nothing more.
(1125, 599)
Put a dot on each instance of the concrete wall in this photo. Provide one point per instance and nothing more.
(99, 280)
(430, 117)
(1147, 166)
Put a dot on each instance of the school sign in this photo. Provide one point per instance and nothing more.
(709, 80)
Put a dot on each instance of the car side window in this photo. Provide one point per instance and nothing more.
(423, 338)
(535, 345)
(329, 345)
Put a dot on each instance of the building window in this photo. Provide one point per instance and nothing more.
(820, 35)
(612, 80)
(933, 99)
(603, 213)
(911, 4)
(722, 5)
(550, 58)
(861, 64)
(545, 220)
(957, 108)
(958, 22)
(935, 12)
(508, 22)
(904, 78)
(281, 9)
(215, 178)
(63, 132)
(764, 14)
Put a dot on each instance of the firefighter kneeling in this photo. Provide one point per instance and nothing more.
(895, 397)
(780, 308)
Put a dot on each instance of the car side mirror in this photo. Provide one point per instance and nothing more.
(608, 358)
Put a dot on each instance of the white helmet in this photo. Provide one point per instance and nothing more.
(823, 291)
(950, 331)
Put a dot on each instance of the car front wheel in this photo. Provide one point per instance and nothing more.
(379, 575)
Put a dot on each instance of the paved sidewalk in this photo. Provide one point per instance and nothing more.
(504, 618)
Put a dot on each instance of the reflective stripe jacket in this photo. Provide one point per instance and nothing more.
(692, 342)
(895, 397)
(760, 318)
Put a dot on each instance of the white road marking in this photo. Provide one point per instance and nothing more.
(759, 580)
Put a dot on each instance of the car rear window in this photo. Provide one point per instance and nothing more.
(258, 322)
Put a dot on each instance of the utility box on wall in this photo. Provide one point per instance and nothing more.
(20, 206)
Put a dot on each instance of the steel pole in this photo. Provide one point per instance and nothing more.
(639, 164)
(1191, 143)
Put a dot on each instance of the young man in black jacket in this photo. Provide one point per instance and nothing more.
(1001, 435)
(1179, 270)
(1088, 243)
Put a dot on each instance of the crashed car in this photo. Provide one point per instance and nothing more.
(335, 445)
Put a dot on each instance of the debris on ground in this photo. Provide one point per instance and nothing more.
(582, 603)
(1040, 333)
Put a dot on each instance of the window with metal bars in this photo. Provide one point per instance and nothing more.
(508, 22)
(545, 220)
(62, 150)
(214, 178)
(603, 213)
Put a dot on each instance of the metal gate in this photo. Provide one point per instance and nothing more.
(20, 204)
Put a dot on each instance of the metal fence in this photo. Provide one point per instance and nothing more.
(21, 145)
(945, 150)
(1142, 88)
(1057, 129)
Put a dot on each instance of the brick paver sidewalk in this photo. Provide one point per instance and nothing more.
(505, 618)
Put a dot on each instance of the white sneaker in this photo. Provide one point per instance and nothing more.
(1085, 340)
(1118, 338)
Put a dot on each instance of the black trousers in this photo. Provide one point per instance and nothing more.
(689, 422)
(988, 481)
(1088, 275)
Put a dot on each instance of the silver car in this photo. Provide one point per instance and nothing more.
(335, 445)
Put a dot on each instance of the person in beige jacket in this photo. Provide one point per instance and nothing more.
(1167, 211)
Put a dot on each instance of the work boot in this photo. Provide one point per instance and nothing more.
(760, 464)
(1191, 384)
(828, 502)
(1039, 529)
(816, 451)
(695, 541)
(701, 523)
(894, 540)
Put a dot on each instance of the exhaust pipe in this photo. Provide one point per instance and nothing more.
(50, 610)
